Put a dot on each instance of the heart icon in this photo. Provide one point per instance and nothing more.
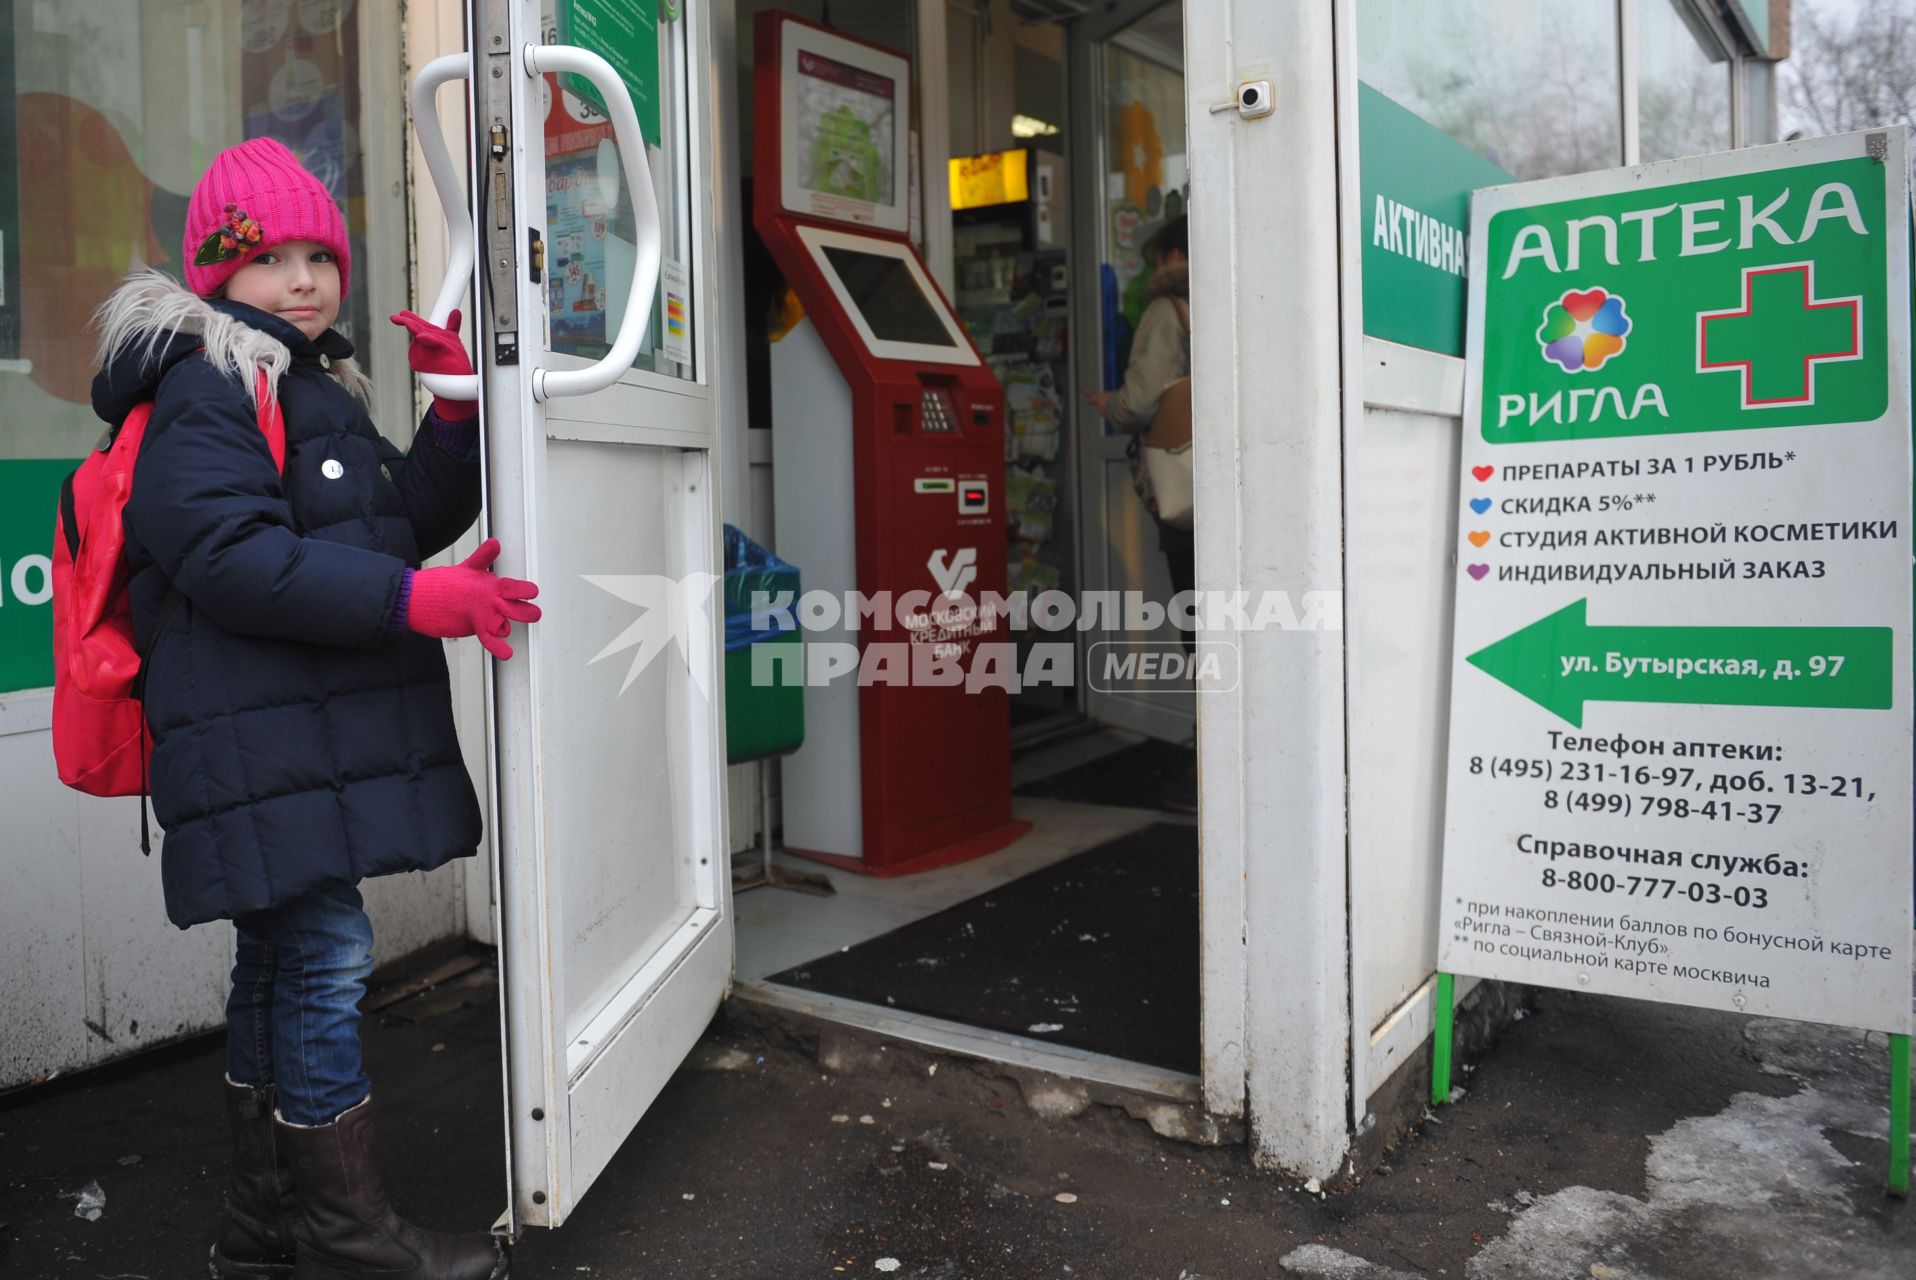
(1479, 536)
(1483, 473)
(1478, 571)
(1480, 505)
(1585, 304)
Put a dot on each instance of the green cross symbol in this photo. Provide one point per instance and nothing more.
(1780, 334)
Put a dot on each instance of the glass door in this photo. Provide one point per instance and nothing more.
(593, 221)
(1129, 179)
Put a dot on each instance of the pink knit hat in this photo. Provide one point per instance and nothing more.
(254, 196)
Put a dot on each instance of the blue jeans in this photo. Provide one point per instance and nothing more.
(293, 1017)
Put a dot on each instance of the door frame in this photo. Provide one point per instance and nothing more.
(1269, 501)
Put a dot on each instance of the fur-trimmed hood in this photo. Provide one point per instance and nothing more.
(151, 322)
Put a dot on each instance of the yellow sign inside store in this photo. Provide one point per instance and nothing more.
(996, 177)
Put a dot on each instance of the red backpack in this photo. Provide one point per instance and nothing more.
(100, 739)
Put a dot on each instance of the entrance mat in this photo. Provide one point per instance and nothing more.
(1133, 778)
(1099, 952)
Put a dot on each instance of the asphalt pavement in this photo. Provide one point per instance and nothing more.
(1598, 1138)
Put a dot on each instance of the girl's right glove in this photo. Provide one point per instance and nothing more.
(437, 349)
(467, 599)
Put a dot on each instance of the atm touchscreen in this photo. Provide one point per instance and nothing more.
(889, 298)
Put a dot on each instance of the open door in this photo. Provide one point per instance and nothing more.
(1129, 177)
(599, 431)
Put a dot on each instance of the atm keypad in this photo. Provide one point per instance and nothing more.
(938, 414)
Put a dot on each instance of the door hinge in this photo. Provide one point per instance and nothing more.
(536, 255)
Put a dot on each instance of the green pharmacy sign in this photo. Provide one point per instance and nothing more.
(1751, 301)
(1682, 697)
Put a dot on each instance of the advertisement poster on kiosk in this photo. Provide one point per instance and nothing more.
(845, 131)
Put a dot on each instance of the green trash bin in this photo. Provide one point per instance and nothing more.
(763, 717)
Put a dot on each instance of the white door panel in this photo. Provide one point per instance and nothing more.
(606, 726)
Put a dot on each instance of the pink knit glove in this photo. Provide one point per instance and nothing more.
(468, 600)
(438, 350)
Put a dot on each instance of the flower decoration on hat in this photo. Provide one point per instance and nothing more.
(236, 236)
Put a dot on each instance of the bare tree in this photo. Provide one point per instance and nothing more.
(1847, 72)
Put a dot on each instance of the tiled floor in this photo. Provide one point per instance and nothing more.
(778, 928)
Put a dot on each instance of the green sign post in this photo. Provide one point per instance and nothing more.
(1681, 704)
(29, 495)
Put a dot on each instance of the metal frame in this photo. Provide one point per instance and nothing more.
(1351, 338)
(1628, 101)
(931, 71)
(1703, 21)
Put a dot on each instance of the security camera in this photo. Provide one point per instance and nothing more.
(1254, 99)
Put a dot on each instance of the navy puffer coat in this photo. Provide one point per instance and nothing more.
(299, 741)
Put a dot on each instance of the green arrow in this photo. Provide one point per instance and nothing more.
(1561, 662)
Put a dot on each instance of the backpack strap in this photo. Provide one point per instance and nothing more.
(1183, 308)
(168, 607)
(272, 422)
(69, 516)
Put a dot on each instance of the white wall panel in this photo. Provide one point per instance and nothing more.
(41, 934)
(1399, 609)
(93, 968)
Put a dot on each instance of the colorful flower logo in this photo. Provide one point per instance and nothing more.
(1583, 329)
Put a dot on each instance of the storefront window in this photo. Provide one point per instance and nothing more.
(113, 112)
(1533, 88)
(1683, 83)
(590, 220)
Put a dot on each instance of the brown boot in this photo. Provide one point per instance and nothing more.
(256, 1231)
(348, 1229)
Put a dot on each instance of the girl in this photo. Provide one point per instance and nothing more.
(295, 683)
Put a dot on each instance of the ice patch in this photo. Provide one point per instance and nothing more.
(1327, 1263)
(89, 1202)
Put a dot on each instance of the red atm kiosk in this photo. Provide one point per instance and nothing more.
(888, 469)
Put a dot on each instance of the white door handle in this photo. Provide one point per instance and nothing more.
(452, 198)
(547, 383)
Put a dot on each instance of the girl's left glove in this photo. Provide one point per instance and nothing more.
(437, 349)
(468, 599)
